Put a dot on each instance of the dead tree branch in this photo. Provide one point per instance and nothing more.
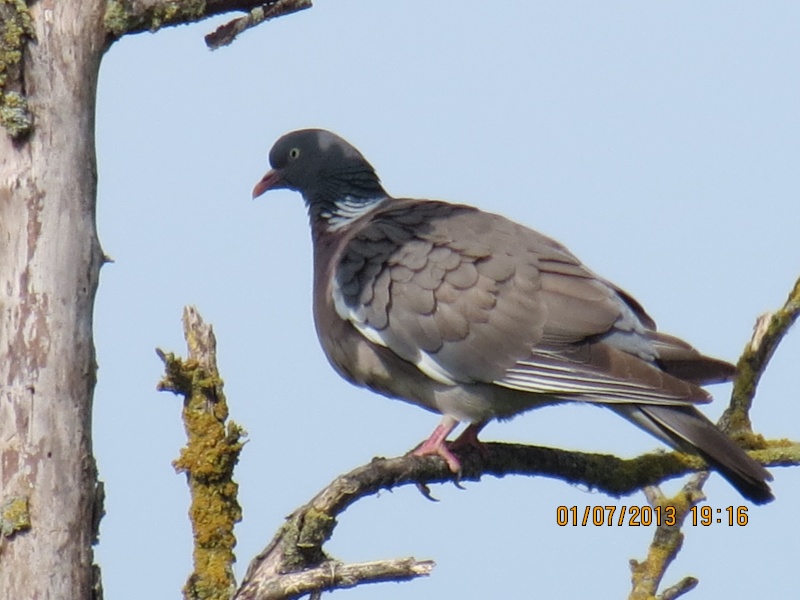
(297, 548)
(124, 17)
(667, 541)
(211, 452)
(225, 34)
(769, 330)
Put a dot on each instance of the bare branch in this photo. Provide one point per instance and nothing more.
(298, 545)
(685, 585)
(124, 17)
(225, 34)
(333, 575)
(768, 332)
(667, 541)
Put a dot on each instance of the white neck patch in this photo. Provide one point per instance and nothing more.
(348, 210)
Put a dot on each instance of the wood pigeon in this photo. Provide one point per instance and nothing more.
(476, 317)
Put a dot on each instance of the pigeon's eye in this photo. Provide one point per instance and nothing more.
(294, 153)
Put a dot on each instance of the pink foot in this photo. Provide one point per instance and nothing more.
(436, 444)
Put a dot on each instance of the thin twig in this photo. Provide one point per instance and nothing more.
(685, 585)
(768, 332)
(225, 34)
(123, 17)
(332, 575)
(646, 576)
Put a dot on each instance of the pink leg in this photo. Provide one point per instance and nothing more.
(437, 445)
(469, 438)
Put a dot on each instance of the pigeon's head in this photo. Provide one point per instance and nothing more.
(323, 167)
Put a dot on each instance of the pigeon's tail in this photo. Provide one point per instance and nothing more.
(686, 428)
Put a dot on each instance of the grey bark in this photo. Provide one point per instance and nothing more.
(49, 264)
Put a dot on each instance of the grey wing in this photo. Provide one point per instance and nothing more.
(440, 286)
(599, 345)
(469, 296)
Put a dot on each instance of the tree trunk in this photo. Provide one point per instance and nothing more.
(49, 264)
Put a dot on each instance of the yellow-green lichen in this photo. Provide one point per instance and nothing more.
(769, 330)
(14, 115)
(116, 19)
(317, 528)
(646, 575)
(208, 459)
(121, 16)
(16, 28)
(14, 516)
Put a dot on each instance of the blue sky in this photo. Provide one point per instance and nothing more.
(658, 141)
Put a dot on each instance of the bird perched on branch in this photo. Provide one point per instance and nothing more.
(476, 317)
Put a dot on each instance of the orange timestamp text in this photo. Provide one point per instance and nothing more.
(644, 516)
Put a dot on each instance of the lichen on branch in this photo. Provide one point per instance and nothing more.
(769, 330)
(208, 459)
(16, 29)
(123, 17)
(14, 516)
(132, 16)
